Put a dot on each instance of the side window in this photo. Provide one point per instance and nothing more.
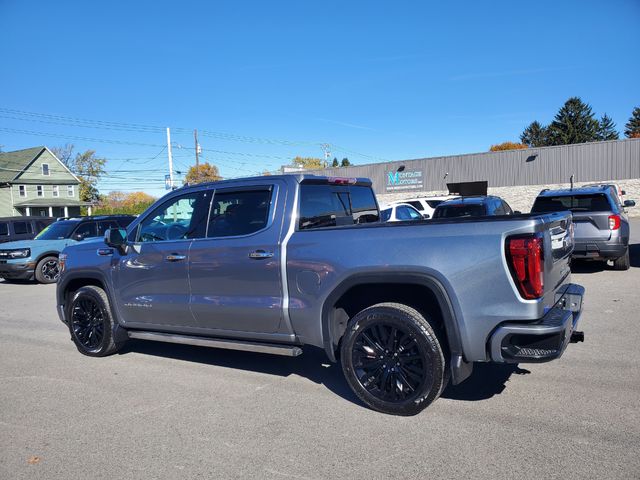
(363, 205)
(106, 225)
(497, 207)
(40, 225)
(385, 215)
(507, 208)
(402, 213)
(179, 218)
(239, 212)
(21, 228)
(324, 206)
(85, 230)
(418, 205)
(414, 215)
(4, 229)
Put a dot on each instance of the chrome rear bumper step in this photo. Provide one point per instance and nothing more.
(286, 350)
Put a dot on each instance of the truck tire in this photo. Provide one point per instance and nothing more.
(392, 359)
(91, 323)
(623, 262)
(47, 270)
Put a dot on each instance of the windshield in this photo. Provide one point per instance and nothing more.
(57, 231)
(575, 203)
(459, 210)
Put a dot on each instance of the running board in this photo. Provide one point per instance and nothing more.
(286, 350)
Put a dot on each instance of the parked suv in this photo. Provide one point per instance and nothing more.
(22, 228)
(480, 206)
(38, 258)
(600, 221)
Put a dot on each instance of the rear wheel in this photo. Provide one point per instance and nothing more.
(392, 359)
(622, 263)
(90, 322)
(47, 270)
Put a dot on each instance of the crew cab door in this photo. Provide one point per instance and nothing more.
(235, 272)
(152, 279)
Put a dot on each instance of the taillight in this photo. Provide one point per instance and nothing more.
(614, 222)
(526, 262)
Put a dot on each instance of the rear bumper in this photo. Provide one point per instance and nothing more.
(599, 250)
(542, 340)
(17, 271)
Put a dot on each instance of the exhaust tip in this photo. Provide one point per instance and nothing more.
(577, 337)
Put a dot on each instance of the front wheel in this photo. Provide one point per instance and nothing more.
(47, 270)
(392, 359)
(623, 262)
(90, 322)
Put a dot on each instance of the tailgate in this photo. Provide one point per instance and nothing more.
(559, 235)
(591, 226)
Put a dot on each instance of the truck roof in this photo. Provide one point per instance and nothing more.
(297, 177)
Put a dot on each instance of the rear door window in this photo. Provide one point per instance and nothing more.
(4, 229)
(22, 228)
(576, 203)
(418, 205)
(239, 212)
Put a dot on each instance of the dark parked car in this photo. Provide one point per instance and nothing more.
(22, 228)
(480, 206)
(601, 225)
(38, 258)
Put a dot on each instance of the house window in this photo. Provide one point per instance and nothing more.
(23, 190)
(56, 191)
(45, 169)
(40, 190)
(70, 191)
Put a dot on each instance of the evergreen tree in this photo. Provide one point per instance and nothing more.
(632, 128)
(574, 123)
(535, 135)
(335, 162)
(607, 129)
(345, 162)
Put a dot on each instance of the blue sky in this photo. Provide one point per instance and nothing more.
(272, 80)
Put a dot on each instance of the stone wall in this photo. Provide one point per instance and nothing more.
(521, 197)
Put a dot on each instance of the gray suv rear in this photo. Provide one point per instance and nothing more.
(600, 221)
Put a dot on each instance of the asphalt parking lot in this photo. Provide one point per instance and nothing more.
(171, 411)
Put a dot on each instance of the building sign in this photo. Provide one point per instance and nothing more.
(405, 180)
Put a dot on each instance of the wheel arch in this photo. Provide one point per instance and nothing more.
(389, 285)
(72, 282)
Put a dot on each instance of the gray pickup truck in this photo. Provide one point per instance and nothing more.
(276, 263)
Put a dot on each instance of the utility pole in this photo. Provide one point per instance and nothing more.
(170, 157)
(327, 153)
(195, 137)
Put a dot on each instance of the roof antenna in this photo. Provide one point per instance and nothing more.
(571, 180)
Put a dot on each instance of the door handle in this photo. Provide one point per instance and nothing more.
(258, 254)
(174, 257)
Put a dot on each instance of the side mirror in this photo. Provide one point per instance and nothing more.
(629, 203)
(426, 216)
(78, 237)
(116, 238)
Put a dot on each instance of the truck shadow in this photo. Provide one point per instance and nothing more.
(486, 381)
(312, 364)
(634, 253)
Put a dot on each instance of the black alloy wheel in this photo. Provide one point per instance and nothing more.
(87, 323)
(91, 323)
(392, 359)
(388, 362)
